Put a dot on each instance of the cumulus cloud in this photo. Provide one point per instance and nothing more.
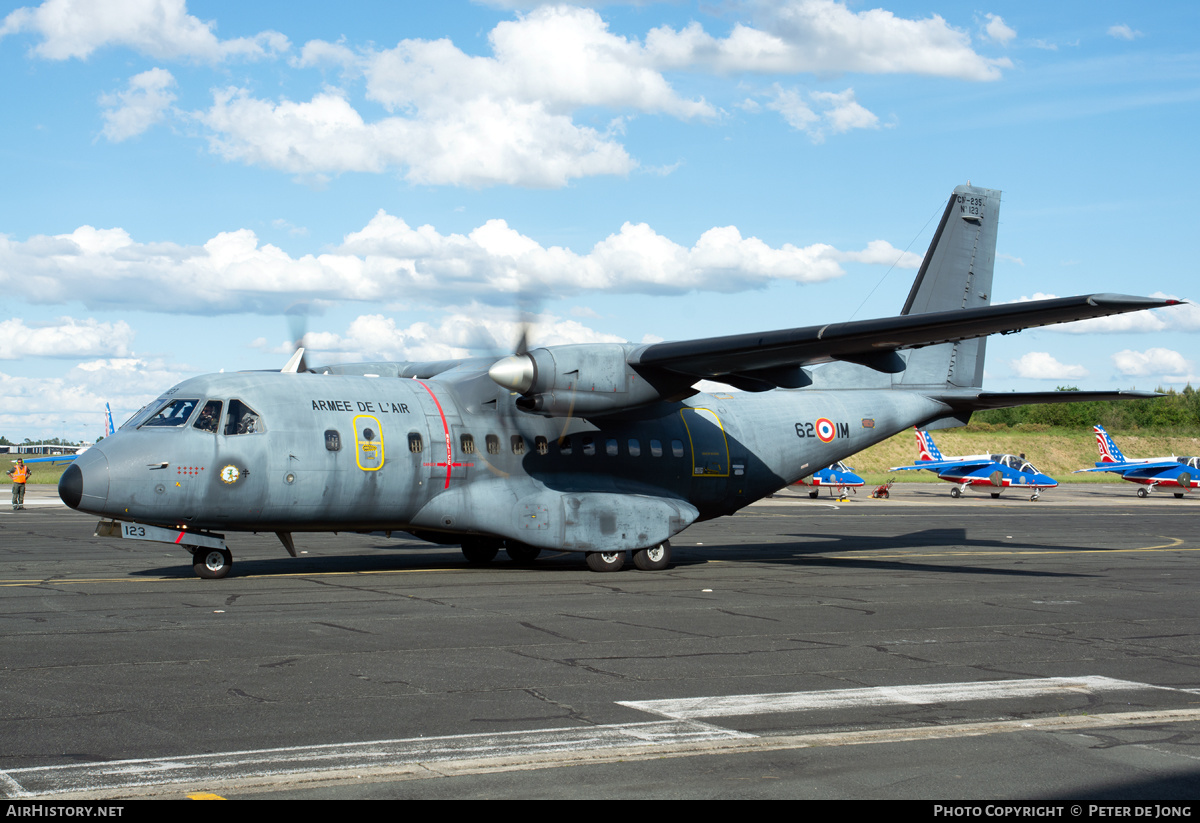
(1039, 365)
(837, 112)
(65, 338)
(235, 272)
(481, 142)
(473, 331)
(143, 103)
(461, 119)
(825, 37)
(78, 397)
(1152, 362)
(158, 28)
(997, 30)
(1121, 31)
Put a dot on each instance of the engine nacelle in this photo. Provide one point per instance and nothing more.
(582, 379)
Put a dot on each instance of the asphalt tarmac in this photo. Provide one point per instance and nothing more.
(918, 647)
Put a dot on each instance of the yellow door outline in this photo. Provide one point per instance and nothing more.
(711, 460)
(368, 453)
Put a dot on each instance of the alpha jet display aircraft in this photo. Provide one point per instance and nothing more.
(1182, 474)
(839, 476)
(603, 449)
(988, 472)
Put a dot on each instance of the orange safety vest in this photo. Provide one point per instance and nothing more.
(20, 474)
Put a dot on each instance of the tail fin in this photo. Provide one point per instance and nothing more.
(926, 448)
(109, 428)
(956, 274)
(1109, 453)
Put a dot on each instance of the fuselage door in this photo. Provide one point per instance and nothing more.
(368, 442)
(710, 454)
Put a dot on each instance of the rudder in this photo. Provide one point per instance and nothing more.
(955, 274)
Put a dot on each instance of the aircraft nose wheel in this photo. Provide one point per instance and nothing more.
(605, 561)
(955, 493)
(653, 558)
(212, 564)
(1142, 492)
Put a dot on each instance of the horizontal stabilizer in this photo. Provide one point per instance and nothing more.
(978, 401)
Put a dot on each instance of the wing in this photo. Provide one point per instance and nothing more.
(58, 458)
(941, 465)
(1142, 469)
(872, 343)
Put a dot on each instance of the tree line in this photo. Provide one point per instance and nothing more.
(1175, 411)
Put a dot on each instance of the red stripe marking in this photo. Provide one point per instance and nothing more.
(446, 429)
(180, 538)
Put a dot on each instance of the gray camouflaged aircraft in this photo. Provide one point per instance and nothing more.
(602, 449)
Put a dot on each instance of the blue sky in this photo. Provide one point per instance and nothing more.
(177, 176)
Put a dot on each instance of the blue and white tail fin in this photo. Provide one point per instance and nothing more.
(1109, 453)
(926, 448)
(109, 428)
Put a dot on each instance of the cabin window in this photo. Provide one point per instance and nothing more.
(210, 417)
(493, 444)
(655, 448)
(564, 445)
(542, 445)
(635, 448)
(518, 444)
(242, 419)
(416, 444)
(333, 440)
(467, 443)
(677, 448)
(610, 448)
(589, 446)
(174, 414)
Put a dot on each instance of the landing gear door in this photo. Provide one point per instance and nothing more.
(368, 442)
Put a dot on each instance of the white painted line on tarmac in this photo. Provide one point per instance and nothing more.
(212, 769)
(754, 704)
(680, 733)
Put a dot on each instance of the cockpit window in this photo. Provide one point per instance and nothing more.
(242, 419)
(174, 414)
(138, 417)
(209, 417)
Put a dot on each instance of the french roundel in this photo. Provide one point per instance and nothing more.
(825, 430)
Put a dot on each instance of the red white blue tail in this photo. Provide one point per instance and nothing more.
(926, 448)
(1109, 453)
(109, 428)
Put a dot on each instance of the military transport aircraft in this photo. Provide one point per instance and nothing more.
(603, 449)
(839, 476)
(1180, 474)
(986, 472)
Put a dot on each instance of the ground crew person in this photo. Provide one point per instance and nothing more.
(20, 476)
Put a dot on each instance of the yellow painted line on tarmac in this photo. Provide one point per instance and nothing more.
(204, 796)
(1172, 546)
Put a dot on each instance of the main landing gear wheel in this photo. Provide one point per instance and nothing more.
(521, 553)
(605, 561)
(955, 493)
(815, 494)
(212, 564)
(1178, 495)
(1142, 492)
(653, 558)
(480, 551)
(995, 495)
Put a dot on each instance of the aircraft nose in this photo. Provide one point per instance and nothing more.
(84, 485)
